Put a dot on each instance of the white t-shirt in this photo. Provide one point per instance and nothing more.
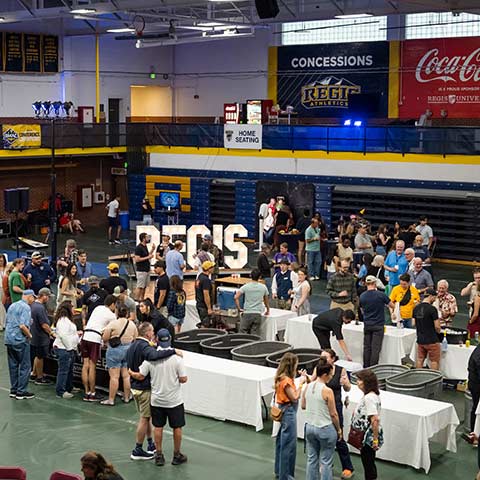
(112, 208)
(164, 375)
(99, 319)
(426, 232)
(66, 335)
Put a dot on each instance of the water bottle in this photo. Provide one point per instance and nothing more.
(444, 342)
(467, 342)
(476, 338)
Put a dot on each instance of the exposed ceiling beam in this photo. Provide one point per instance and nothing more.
(26, 7)
(288, 9)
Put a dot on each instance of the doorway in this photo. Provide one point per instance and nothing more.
(114, 122)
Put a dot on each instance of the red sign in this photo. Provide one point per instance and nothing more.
(440, 74)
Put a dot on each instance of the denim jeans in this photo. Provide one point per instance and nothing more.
(19, 367)
(314, 263)
(342, 447)
(65, 371)
(320, 449)
(286, 444)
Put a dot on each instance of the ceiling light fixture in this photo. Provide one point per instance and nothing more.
(121, 30)
(353, 16)
(82, 11)
(2, 19)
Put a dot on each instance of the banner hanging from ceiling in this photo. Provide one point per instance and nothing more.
(323, 80)
(440, 75)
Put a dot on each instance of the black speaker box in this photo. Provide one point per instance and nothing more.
(267, 8)
(17, 199)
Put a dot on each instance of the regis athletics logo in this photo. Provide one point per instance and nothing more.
(328, 92)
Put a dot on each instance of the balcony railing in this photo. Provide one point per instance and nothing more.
(368, 139)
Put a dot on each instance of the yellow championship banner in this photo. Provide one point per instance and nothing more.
(21, 136)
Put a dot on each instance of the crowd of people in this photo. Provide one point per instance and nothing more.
(379, 273)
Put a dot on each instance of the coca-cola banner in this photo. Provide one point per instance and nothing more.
(440, 74)
(335, 79)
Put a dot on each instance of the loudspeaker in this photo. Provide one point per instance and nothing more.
(267, 8)
(17, 199)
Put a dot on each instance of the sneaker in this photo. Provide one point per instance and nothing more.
(347, 473)
(32, 378)
(311, 278)
(110, 242)
(76, 390)
(67, 395)
(86, 397)
(179, 458)
(317, 278)
(117, 241)
(12, 394)
(24, 396)
(159, 459)
(42, 381)
(138, 453)
(107, 402)
(151, 448)
(95, 397)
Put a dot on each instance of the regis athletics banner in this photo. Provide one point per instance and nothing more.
(441, 75)
(320, 80)
(21, 136)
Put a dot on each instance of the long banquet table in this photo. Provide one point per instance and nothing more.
(226, 389)
(409, 425)
(397, 343)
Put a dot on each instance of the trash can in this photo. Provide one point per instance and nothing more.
(257, 352)
(124, 219)
(382, 372)
(417, 383)
(190, 340)
(222, 346)
(307, 358)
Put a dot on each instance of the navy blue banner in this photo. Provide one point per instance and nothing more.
(334, 80)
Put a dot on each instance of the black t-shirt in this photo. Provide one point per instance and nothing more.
(40, 337)
(162, 250)
(142, 252)
(425, 316)
(264, 265)
(373, 307)
(330, 321)
(202, 283)
(408, 238)
(110, 283)
(282, 217)
(302, 225)
(163, 283)
(474, 368)
(93, 298)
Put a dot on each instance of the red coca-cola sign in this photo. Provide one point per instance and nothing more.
(440, 74)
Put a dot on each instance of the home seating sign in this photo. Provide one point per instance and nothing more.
(242, 136)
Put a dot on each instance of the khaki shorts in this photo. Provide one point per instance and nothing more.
(431, 350)
(143, 279)
(343, 306)
(142, 401)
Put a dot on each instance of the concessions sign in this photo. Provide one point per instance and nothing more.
(242, 136)
(320, 80)
(21, 136)
(440, 75)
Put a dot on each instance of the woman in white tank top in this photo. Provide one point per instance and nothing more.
(322, 424)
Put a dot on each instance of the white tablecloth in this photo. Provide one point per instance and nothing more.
(454, 362)
(396, 342)
(409, 424)
(271, 324)
(225, 389)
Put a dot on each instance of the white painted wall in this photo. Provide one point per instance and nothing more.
(220, 72)
(249, 162)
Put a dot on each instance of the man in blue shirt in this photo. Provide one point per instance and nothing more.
(175, 262)
(84, 270)
(373, 303)
(314, 256)
(17, 341)
(39, 273)
(396, 264)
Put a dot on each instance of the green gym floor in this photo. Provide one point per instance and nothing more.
(46, 433)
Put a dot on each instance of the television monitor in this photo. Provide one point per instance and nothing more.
(170, 200)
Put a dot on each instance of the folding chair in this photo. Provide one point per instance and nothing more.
(61, 475)
(13, 473)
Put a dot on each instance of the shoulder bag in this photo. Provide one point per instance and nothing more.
(276, 413)
(115, 342)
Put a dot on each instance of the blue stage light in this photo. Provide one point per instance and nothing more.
(347, 123)
(357, 123)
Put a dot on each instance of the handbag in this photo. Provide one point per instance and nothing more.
(115, 342)
(356, 437)
(276, 413)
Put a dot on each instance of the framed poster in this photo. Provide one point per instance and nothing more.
(50, 54)
(32, 53)
(14, 52)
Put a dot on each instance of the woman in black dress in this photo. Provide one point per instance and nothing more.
(339, 380)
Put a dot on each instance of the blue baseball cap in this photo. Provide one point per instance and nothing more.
(29, 292)
(164, 338)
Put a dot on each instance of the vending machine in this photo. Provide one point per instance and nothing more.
(258, 111)
(234, 113)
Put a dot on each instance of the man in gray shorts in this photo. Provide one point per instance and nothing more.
(142, 265)
(255, 298)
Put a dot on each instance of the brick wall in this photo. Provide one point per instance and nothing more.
(71, 172)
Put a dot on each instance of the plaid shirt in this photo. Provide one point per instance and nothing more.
(447, 308)
(339, 282)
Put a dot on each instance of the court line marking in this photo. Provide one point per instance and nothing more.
(232, 451)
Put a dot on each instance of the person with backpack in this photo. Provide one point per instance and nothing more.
(176, 302)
